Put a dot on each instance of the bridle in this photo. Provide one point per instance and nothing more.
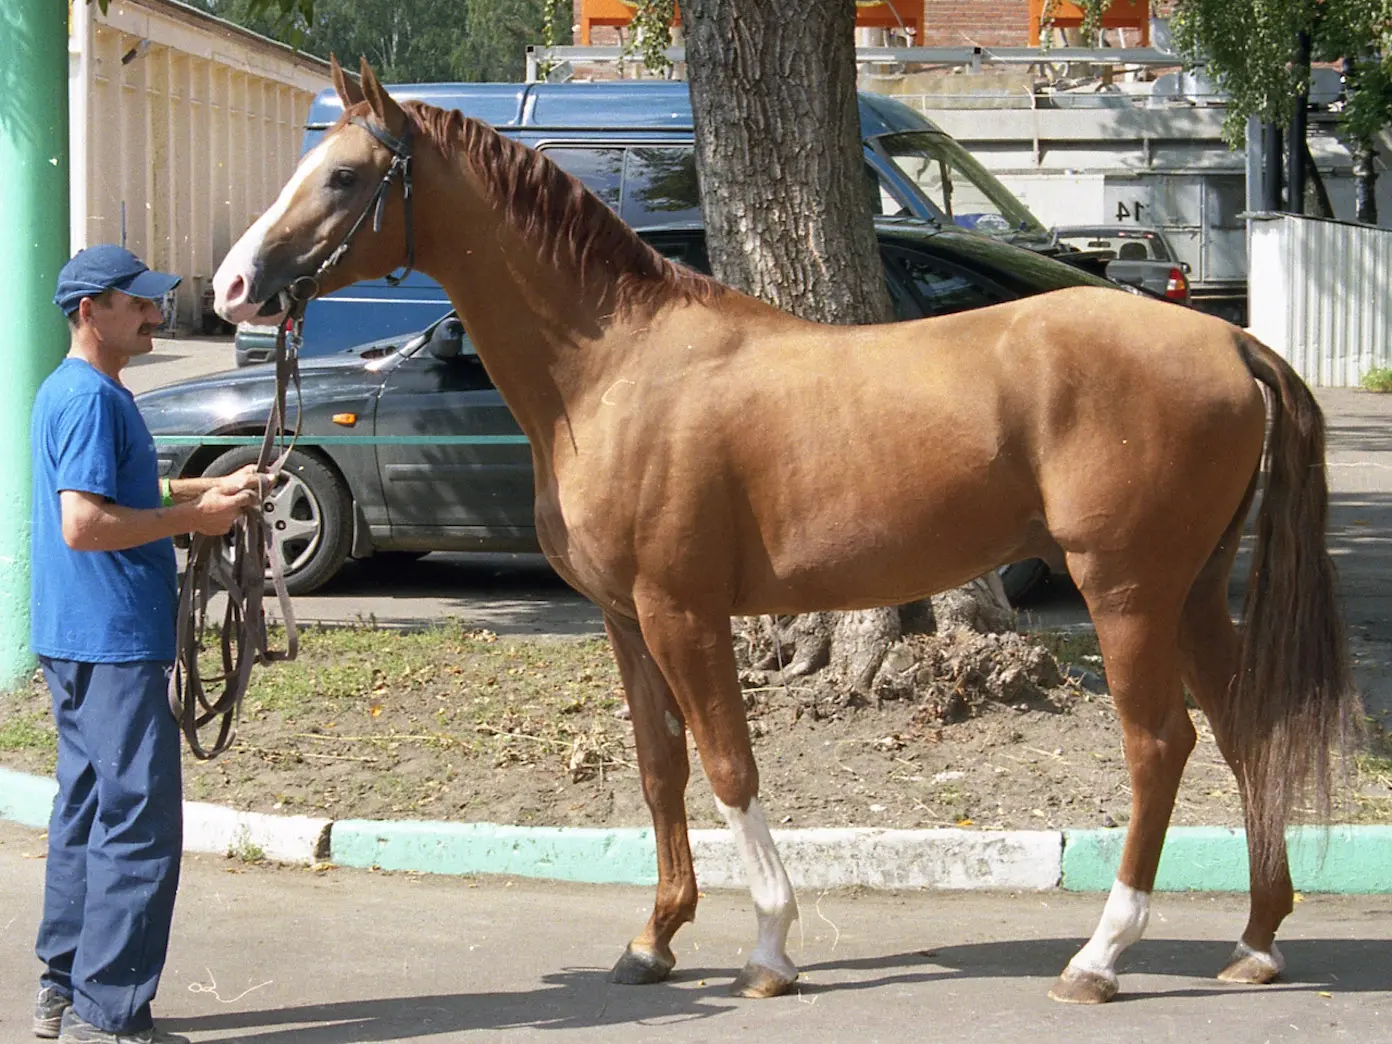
(237, 563)
(307, 287)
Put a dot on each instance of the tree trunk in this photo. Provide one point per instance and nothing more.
(783, 184)
(1364, 182)
(786, 203)
(1363, 151)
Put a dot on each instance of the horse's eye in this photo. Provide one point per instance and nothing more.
(343, 178)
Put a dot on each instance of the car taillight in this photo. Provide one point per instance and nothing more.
(1177, 289)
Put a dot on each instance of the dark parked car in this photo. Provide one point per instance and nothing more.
(406, 447)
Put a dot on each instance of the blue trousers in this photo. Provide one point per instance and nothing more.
(114, 840)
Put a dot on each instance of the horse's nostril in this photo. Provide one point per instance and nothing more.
(236, 291)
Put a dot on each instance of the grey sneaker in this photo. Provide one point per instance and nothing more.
(49, 1006)
(77, 1030)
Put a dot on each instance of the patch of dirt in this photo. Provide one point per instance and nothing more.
(376, 724)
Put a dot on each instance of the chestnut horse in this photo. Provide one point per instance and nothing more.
(700, 454)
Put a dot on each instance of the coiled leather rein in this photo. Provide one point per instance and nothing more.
(237, 563)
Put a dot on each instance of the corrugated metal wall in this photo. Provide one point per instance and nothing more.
(1320, 293)
(190, 127)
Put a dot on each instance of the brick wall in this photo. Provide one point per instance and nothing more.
(962, 23)
(946, 23)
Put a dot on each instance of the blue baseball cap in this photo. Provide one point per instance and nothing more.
(104, 267)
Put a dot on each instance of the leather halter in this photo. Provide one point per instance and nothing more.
(306, 287)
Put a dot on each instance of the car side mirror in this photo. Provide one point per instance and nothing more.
(447, 339)
(1185, 265)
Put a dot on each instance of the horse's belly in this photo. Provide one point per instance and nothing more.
(883, 556)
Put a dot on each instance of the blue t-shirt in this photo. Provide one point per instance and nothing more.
(96, 606)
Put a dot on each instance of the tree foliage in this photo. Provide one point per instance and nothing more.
(1248, 46)
(408, 41)
(498, 33)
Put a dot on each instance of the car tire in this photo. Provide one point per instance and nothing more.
(1019, 578)
(313, 506)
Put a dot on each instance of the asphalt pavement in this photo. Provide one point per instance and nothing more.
(266, 955)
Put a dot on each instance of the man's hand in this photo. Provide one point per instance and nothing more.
(216, 510)
(243, 479)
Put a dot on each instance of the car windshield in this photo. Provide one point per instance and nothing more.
(957, 184)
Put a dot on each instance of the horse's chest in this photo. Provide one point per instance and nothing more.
(584, 538)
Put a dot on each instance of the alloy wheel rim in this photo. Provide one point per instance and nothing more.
(293, 517)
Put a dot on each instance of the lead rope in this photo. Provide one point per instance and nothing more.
(237, 563)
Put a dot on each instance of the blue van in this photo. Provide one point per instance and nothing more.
(631, 143)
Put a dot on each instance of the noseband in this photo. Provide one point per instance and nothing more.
(307, 287)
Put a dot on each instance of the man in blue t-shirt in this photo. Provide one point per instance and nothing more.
(103, 605)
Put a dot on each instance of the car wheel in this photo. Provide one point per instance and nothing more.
(310, 514)
(1019, 578)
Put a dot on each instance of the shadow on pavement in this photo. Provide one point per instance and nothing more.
(584, 998)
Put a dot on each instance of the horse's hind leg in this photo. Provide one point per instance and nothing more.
(659, 734)
(698, 660)
(1137, 629)
(1209, 657)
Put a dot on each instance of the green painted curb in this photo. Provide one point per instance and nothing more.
(1343, 859)
(345, 440)
(592, 856)
(26, 799)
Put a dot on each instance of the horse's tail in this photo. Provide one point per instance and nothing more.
(1293, 700)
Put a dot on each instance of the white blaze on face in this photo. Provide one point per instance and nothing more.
(774, 903)
(235, 276)
(1123, 922)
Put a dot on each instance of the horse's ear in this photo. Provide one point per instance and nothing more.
(382, 104)
(349, 93)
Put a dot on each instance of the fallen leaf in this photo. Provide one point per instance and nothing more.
(964, 822)
(375, 710)
(1325, 993)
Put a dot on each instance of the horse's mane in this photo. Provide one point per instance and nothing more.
(568, 221)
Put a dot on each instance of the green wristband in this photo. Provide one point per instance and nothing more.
(166, 493)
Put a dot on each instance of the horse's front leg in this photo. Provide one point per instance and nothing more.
(660, 736)
(696, 657)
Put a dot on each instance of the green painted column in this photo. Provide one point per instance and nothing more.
(33, 247)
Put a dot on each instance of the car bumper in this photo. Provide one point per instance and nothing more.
(254, 344)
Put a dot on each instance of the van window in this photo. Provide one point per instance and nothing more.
(660, 181)
(601, 169)
(651, 185)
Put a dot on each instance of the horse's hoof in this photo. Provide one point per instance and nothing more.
(758, 981)
(1083, 987)
(639, 967)
(1252, 967)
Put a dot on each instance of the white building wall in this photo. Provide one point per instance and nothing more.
(183, 128)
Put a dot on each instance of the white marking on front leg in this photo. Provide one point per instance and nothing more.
(774, 902)
(1123, 922)
(1272, 959)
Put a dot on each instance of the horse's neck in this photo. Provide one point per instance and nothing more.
(543, 338)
